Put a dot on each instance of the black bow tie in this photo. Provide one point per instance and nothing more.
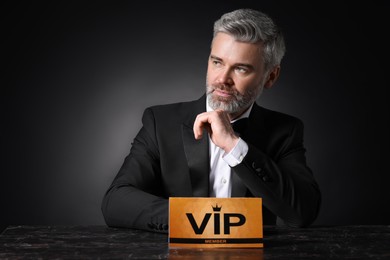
(240, 125)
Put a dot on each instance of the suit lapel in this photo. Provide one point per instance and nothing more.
(238, 187)
(197, 153)
(255, 135)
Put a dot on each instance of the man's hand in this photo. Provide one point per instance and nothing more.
(217, 124)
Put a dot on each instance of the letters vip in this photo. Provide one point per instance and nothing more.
(229, 220)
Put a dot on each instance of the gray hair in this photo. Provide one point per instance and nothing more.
(252, 26)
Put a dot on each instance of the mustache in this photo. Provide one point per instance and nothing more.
(228, 89)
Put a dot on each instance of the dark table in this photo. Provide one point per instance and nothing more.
(101, 242)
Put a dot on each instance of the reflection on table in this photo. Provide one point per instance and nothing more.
(101, 242)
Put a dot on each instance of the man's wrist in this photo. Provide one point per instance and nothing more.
(237, 153)
(230, 146)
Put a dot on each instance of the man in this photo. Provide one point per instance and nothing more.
(190, 149)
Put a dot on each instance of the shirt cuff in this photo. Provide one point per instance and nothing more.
(237, 154)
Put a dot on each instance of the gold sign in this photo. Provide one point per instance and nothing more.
(215, 222)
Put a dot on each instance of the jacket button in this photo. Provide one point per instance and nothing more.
(266, 178)
(254, 166)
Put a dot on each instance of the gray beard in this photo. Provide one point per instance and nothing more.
(238, 104)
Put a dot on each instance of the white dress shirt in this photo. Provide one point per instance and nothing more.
(220, 163)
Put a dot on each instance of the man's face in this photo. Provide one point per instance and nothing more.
(235, 74)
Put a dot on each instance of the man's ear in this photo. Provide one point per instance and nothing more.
(272, 77)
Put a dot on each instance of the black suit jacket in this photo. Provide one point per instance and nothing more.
(166, 161)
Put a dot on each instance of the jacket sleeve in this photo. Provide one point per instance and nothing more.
(284, 182)
(134, 199)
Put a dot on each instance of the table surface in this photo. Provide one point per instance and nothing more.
(101, 242)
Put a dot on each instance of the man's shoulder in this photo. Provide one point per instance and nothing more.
(275, 117)
(178, 110)
(175, 106)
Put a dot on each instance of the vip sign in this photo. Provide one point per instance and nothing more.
(215, 222)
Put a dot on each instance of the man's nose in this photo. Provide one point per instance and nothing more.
(225, 77)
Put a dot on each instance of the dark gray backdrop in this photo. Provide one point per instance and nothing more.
(78, 76)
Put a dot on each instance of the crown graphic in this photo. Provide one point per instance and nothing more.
(216, 208)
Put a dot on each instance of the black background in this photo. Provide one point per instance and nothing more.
(78, 75)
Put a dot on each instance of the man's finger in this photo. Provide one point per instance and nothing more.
(201, 122)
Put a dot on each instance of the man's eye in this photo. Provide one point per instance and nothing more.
(216, 63)
(241, 70)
